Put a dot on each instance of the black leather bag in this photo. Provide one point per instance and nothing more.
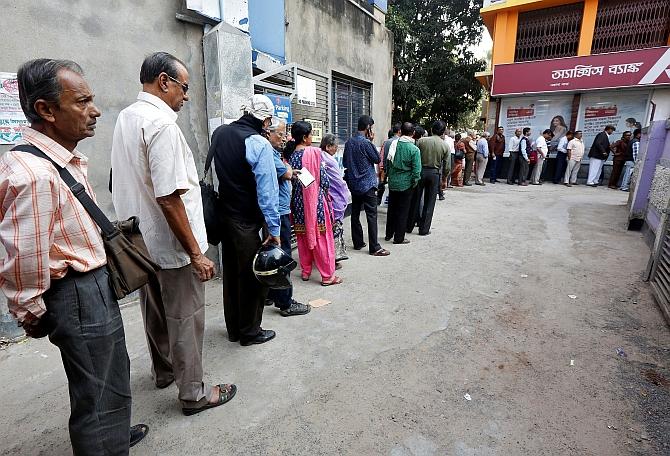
(128, 262)
(210, 205)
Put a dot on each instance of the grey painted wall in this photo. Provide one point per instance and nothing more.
(109, 40)
(334, 35)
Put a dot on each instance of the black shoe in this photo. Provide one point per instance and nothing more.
(165, 384)
(441, 198)
(263, 336)
(233, 338)
(468, 184)
(361, 247)
(424, 234)
(404, 241)
(387, 238)
(269, 302)
(137, 433)
(295, 308)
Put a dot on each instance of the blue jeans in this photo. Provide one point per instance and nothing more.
(495, 169)
(283, 298)
(627, 173)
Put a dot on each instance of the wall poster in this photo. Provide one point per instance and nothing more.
(317, 131)
(626, 111)
(538, 113)
(12, 119)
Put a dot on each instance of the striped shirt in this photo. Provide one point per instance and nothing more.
(43, 227)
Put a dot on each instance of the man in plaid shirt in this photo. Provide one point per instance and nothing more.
(631, 158)
(54, 275)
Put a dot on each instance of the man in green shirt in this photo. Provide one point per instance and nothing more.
(434, 156)
(403, 170)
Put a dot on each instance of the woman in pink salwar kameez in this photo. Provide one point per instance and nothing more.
(311, 213)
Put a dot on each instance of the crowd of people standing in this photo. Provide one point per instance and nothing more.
(55, 276)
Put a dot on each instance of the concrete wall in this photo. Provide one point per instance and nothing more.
(109, 40)
(335, 35)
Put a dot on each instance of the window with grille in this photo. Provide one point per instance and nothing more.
(351, 99)
(626, 25)
(549, 33)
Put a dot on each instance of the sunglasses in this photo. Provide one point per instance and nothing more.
(183, 85)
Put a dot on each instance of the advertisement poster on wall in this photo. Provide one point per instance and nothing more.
(12, 119)
(538, 113)
(626, 111)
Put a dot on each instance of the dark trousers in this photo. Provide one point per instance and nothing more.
(561, 165)
(469, 162)
(368, 202)
(513, 160)
(84, 322)
(427, 188)
(282, 298)
(523, 169)
(617, 167)
(398, 212)
(495, 167)
(243, 296)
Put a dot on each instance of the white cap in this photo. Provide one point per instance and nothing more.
(260, 107)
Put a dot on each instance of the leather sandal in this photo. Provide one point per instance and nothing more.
(226, 393)
(334, 280)
(381, 252)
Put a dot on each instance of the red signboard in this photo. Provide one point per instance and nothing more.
(642, 68)
(520, 112)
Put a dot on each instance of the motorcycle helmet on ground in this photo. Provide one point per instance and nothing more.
(272, 267)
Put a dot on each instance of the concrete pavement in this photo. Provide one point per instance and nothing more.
(480, 307)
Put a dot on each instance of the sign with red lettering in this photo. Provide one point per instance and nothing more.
(640, 68)
(520, 112)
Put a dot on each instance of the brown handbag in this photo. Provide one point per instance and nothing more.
(128, 262)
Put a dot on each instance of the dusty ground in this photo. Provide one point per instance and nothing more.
(480, 307)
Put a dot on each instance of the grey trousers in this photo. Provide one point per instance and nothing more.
(83, 320)
(481, 168)
(174, 321)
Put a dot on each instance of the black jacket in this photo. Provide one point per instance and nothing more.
(601, 146)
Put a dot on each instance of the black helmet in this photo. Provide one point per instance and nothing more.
(272, 267)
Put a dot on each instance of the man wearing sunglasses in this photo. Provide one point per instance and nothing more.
(154, 177)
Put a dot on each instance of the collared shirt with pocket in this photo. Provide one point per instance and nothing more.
(151, 159)
(43, 227)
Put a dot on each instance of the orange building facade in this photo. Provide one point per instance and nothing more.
(569, 65)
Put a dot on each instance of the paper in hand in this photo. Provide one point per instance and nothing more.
(305, 177)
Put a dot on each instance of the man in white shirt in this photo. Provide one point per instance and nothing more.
(451, 147)
(154, 177)
(575, 155)
(482, 157)
(513, 156)
(542, 152)
(562, 156)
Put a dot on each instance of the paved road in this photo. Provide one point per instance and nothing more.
(480, 307)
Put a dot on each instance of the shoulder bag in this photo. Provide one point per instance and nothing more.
(210, 205)
(128, 262)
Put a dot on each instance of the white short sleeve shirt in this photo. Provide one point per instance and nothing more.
(151, 159)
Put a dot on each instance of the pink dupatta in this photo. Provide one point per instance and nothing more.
(311, 160)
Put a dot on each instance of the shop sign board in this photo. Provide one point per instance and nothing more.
(625, 111)
(488, 3)
(12, 120)
(639, 68)
(306, 91)
(282, 107)
(538, 113)
(317, 130)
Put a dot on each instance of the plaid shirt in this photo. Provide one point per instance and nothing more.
(43, 227)
(636, 149)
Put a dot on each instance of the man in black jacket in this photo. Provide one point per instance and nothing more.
(599, 152)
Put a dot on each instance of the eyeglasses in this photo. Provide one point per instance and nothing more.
(183, 85)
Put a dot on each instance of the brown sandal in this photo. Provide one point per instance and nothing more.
(335, 280)
(226, 393)
(381, 252)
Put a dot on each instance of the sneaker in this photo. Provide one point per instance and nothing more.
(295, 308)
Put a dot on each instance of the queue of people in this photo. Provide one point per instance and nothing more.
(55, 276)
